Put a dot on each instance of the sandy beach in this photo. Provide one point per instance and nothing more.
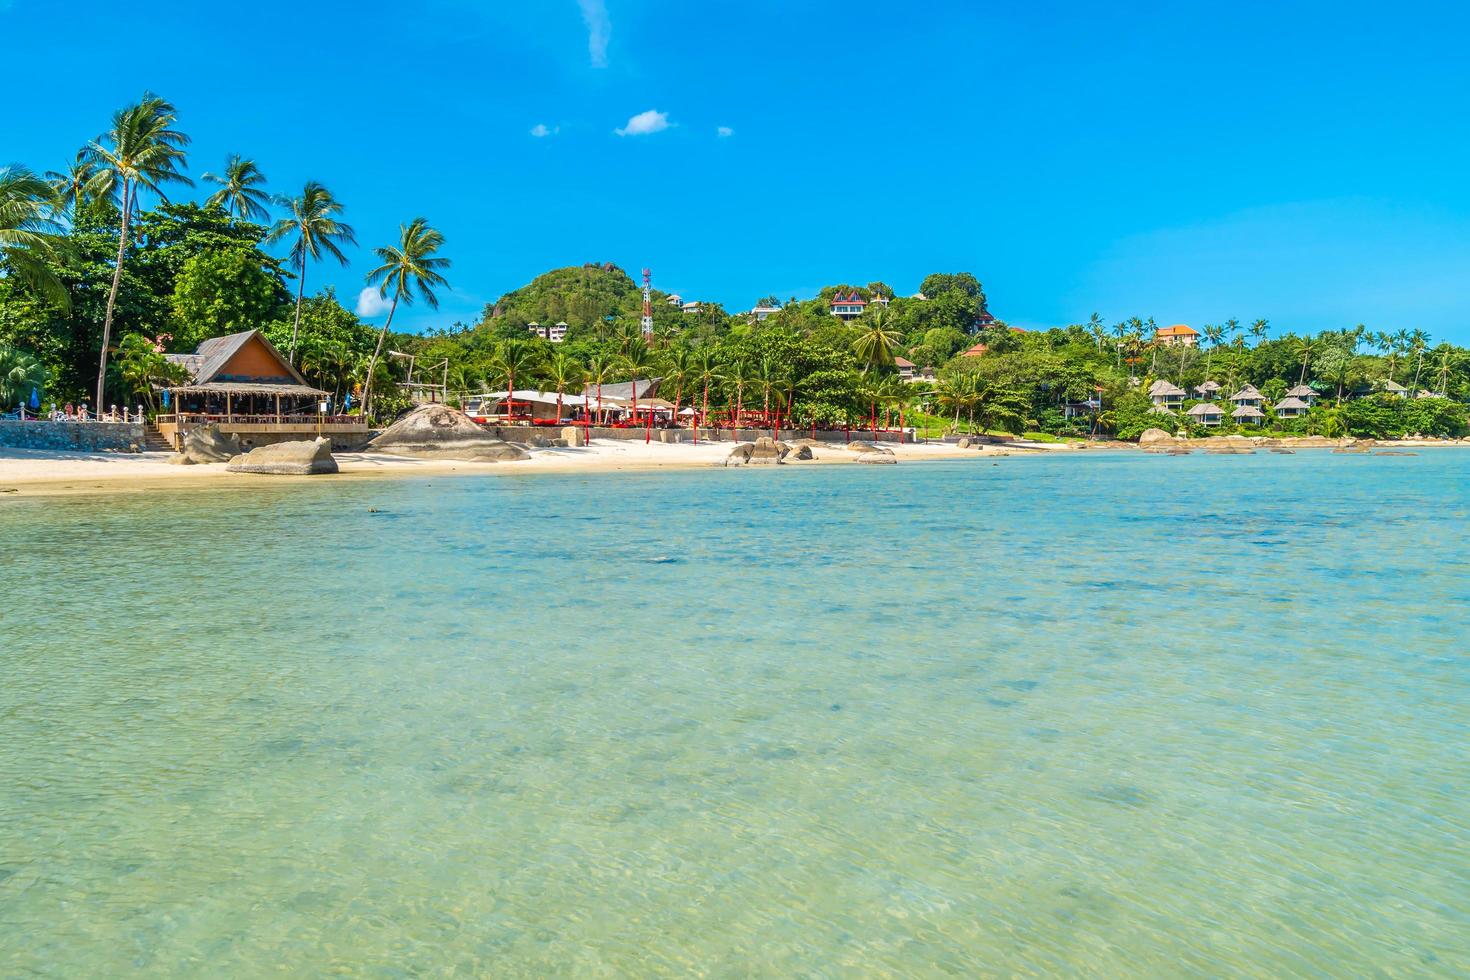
(30, 473)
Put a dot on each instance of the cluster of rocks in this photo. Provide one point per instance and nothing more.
(766, 451)
(868, 452)
(441, 432)
(307, 458)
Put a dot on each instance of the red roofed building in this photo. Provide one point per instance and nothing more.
(1175, 336)
(849, 306)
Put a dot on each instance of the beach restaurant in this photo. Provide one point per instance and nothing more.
(243, 385)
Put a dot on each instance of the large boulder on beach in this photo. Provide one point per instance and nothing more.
(287, 459)
(877, 456)
(573, 436)
(740, 454)
(441, 432)
(801, 452)
(1154, 436)
(767, 450)
(207, 444)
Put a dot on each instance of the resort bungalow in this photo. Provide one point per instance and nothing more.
(908, 371)
(1166, 395)
(1209, 391)
(1206, 414)
(1291, 408)
(1176, 336)
(1306, 393)
(760, 313)
(527, 406)
(242, 384)
(1248, 415)
(848, 307)
(1248, 397)
(1391, 387)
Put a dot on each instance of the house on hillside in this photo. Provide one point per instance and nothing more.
(759, 313)
(1306, 393)
(1206, 414)
(1291, 408)
(1176, 336)
(977, 351)
(1248, 397)
(1208, 390)
(242, 384)
(1165, 394)
(908, 371)
(849, 306)
(1388, 386)
(1248, 415)
(555, 333)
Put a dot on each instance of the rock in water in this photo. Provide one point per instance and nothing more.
(287, 459)
(206, 444)
(441, 432)
(1152, 436)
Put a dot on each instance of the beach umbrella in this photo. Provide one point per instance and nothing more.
(35, 399)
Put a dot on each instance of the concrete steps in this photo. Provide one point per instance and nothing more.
(154, 441)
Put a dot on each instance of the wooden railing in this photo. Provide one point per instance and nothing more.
(236, 418)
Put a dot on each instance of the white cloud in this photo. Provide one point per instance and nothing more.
(599, 29)
(541, 130)
(724, 131)
(644, 123)
(371, 303)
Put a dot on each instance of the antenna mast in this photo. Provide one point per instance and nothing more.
(647, 303)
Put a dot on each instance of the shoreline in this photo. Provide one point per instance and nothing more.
(40, 473)
(26, 473)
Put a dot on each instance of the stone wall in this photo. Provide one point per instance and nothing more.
(86, 437)
(520, 433)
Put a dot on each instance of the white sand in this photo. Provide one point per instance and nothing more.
(34, 472)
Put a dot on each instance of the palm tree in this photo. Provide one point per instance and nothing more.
(1098, 331)
(1214, 334)
(637, 361)
(1303, 348)
(877, 340)
(678, 365)
(1418, 341)
(707, 371)
(513, 357)
(241, 190)
(953, 391)
(314, 222)
(599, 369)
(738, 377)
(71, 185)
(564, 370)
(142, 151)
(29, 233)
(408, 267)
(20, 374)
(1399, 344)
(1258, 331)
(768, 378)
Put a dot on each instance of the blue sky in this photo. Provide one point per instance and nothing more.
(1305, 162)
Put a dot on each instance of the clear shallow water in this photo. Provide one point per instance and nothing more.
(1108, 715)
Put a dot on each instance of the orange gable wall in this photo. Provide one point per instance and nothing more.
(254, 360)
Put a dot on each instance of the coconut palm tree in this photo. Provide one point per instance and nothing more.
(1214, 334)
(1418, 342)
(513, 357)
(141, 152)
(562, 372)
(877, 340)
(1398, 344)
(241, 190)
(637, 361)
(1303, 348)
(412, 266)
(707, 372)
(1258, 331)
(952, 391)
(71, 185)
(678, 367)
(315, 222)
(1449, 357)
(599, 369)
(29, 232)
(768, 378)
(737, 377)
(20, 374)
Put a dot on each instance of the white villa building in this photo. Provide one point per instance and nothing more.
(1248, 397)
(1248, 415)
(848, 307)
(1291, 408)
(555, 333)
(1206, 414)
(1165, 394)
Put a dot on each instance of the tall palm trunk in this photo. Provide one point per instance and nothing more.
(296, 326)
(367, 388)
(122, 246)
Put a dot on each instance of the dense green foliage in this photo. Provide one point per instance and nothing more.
(82, 259)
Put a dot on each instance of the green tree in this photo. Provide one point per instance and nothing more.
(876, 341)
(30, 238)
(141, 365)
(70, 185)
(141, 151)
(241, 189)
(315, 228)
(20, 374)
(412, 266)
(637, 361)
(564, 371)
(222, 292)
(513, 357)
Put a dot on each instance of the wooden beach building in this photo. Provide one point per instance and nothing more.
(242, 384)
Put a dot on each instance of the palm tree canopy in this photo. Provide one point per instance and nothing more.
(241, 189)
(314, 219)
(877, 341)
(141, 149)
(412, 265)
(71, 184)
(29, 233)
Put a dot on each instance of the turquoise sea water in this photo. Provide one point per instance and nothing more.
(1117, 715)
